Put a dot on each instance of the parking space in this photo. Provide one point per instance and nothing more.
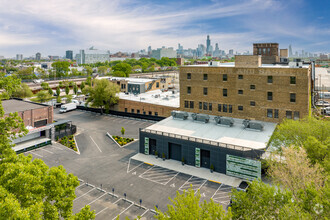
(159, 175)
(222, 195)
(193, 182)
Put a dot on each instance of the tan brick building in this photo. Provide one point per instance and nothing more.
(268, 51)
(246, 90)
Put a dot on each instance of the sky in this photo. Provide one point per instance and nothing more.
(51, 27)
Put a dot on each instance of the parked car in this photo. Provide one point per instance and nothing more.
(243, 187)
(38, 80)
(323, 103)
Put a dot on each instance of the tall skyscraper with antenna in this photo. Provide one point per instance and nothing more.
(208, 44)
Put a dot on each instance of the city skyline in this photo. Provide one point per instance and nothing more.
(53, 27)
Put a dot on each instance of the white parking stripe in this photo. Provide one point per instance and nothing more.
(123, 211)
(34, 153)
(46, 151)
(83, 194)
(95, 144)
(97, 199)
(56, 147)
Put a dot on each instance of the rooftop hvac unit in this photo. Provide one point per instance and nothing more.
(224, 121)
(179, 114)
(254, 125)
(200, 117)
(214, 63)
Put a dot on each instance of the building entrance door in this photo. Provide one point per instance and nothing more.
(152, 146)
(175, 151)
(205, 158)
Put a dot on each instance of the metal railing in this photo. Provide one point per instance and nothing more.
(201, 140)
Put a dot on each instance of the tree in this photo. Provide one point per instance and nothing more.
(89, 70)
(119, 74)
(122, 131)
(67, 90)
(42, 96)
(58, 91)
(75, 89)
(123, 67)
(29, 189)
(82, 86)
(103, 94)
(89, 81)
(26, 73)
(102, 69)
(262, 201)
(188, 206)
(61, 68)
(9, 84)
(44, 85)
(50, 91)
(23, 92)
(58, 99)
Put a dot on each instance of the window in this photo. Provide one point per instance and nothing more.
(240, 108)
(259, 51)
(275, 113)
(150, 113)
(205, 91)
(210, 106)
(292, 97)
(156, 113)
(138, 111)
(240, 92)
(295, 115)
(125, 109)
(188, 90)
(188, 75)
(292, 80)
(252, 86)
(268, 51)
(252, 103)
(225, 108)
(186, 104)
(269, 113)
(144, 112)
(224, 77)
(230, 109)
(270, 79)
(157, 84)
(224, 92)
(289, 114)
(240, 76)
(200, 105)
(205, 76)
(132, 110)
(191, 104)
(263, 50)
(204, 105)
(269, 96)
(219, 107)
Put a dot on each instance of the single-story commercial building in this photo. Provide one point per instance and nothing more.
(227, 145)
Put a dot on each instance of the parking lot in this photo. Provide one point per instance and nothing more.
(111, 183)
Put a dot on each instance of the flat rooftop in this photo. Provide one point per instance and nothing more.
(232, 64)
(235, 135)
(128, 79)
(13, 105)
(156, 97)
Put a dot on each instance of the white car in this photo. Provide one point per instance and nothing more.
(323, 103)
(38, 80)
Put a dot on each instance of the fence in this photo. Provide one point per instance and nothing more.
(122, 114)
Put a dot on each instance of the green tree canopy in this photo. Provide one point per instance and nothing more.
(58, 91)
(75, 88)
(119, 74)
(29, 189)
(88, 70)
(23, 91)
(103, 94)
(61, 68)
(187, 206)
(82, 86)
(102, 69)
(123, 67)
(9, 84)
(26, 73)
(67, 90)
(44, 85)
(42, 96)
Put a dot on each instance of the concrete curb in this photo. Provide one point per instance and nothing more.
(113, 139)
(78, 152)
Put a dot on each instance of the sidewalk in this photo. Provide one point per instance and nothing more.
(187, 169)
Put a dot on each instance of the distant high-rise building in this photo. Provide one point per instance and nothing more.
(38, 56)
(163, 52)
(92, 55)
(19, 56)
(208, 44)
(216, 52)
(231, 52)
(149, 50)
(69, 54)
(290, 51)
